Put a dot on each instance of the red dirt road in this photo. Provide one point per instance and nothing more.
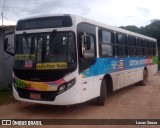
(132, 102)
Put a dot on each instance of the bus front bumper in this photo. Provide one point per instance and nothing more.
(68, 97)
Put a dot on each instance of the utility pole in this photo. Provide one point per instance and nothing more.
(2, 11)
(2, 18)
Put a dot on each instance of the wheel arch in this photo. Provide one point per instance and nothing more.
(109, 82)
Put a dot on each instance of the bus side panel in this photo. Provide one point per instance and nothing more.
(87, 89)
(124, 78)
(152, 69)
(97, 85)
(124, 71)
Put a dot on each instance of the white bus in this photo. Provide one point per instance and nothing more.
(68, 59)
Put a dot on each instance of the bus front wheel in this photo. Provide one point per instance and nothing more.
(145, 77)
(102, 98)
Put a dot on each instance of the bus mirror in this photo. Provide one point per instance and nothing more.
(8, 47)
(87, 43)
(82, 36)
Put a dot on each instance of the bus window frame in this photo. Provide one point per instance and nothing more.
(124, 45)
(111, 44)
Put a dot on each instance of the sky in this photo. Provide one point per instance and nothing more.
(113, 12)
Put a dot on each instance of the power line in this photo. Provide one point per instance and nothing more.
(2, 11)
(3, 5)
(6, 19)
(16, 7)
(9, 18)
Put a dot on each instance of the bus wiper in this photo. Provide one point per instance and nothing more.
(29, 47)
(43, 51)
(25, 37)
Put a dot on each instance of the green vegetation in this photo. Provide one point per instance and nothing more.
(151, 30)
(5, 96)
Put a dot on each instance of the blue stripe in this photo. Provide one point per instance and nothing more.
(109, 65)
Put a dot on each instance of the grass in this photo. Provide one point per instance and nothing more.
(6, 96)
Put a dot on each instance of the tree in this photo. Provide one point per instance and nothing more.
(151, 30)
(131, 28)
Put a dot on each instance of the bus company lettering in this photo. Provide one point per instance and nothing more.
(133, 62)
(114, 64)
(140, 62)
(148, 61)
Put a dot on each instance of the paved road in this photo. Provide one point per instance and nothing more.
(133, 102)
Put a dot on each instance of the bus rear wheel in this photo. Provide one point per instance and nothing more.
(102, 98)
(145, 77)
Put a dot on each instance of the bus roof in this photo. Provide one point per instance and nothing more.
(80, 19)
(113, 28)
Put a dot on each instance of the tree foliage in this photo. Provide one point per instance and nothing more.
(151, 30)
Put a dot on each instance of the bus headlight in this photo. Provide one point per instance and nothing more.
(66, 86)
(71, 83)
(62, 88)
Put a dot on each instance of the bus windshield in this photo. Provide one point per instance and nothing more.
(54, 47)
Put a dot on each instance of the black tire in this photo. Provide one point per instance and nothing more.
(102, 98)
(145, 77)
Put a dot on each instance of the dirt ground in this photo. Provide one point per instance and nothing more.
(132, 102)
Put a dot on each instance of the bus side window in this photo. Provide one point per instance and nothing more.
(140, 51)
(105, 43)
(121, 45)
(132, 51)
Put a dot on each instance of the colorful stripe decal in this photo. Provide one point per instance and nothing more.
(38, 86)
(108, 65)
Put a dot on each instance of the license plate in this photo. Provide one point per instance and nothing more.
(35, 96)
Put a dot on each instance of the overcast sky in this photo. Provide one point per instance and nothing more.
(112, 12)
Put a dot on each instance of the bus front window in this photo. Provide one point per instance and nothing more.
(52, 47)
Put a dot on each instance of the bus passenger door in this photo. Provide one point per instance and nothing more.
(86, 44)
(86, 61)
